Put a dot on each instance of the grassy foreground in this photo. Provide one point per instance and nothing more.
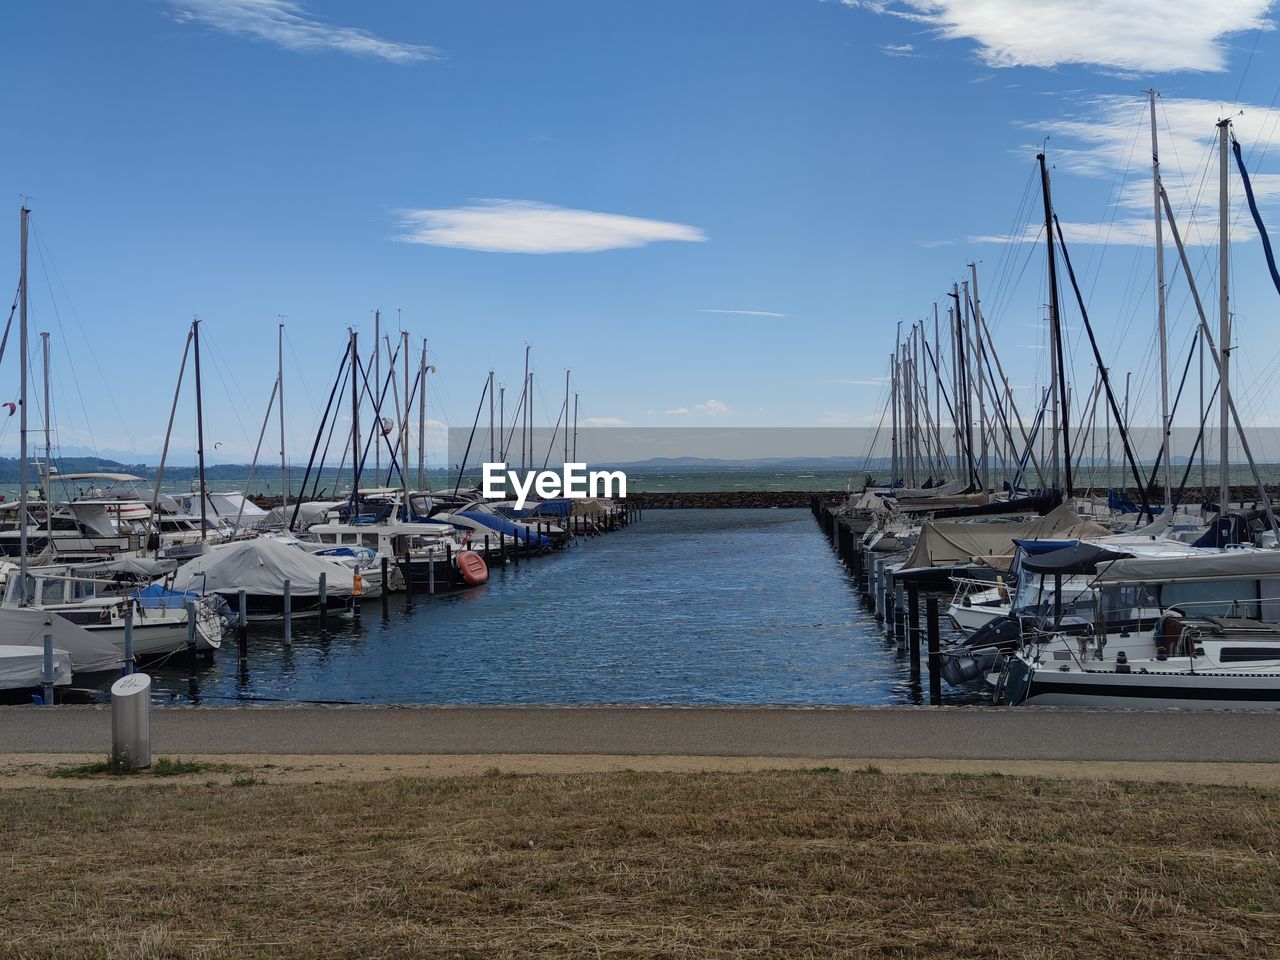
(783, 863)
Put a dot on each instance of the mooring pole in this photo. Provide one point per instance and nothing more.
(935, 652)
(288, 613)
(913, 630)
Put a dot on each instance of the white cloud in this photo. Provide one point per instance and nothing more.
(1110, 135)
(713, 407)
(603, 422)
(1154, 36)
(869, 382)
(677, 411)
(287, 24)
(523, 226)
(898, 50)
(748, 313)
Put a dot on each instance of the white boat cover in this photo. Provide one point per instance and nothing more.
(1232, 565)
(22, 667)
(260, 567)
(88, 652)
(310, 512)
(949, 542)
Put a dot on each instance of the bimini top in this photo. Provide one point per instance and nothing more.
(113, 477)
(1231, 565)
(1079, 558)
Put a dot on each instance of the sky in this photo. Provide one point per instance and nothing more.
(715, 214)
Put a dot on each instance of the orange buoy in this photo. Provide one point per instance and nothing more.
(473, 568)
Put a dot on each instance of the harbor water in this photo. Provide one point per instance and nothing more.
(684, 607)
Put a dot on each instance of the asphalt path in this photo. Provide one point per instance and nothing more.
(983, 733)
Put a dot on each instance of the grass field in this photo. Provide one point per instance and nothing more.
(780, 863)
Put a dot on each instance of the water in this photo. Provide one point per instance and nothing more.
(685, 607)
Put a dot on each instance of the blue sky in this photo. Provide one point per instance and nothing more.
(607, 181)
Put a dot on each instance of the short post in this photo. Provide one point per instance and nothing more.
(899, 616)
(131, 722)
(502, 546)
(323, 598)
(288, 612)
(528, 544)
(47, 673)
(386, 584)
(486, 548)
(913, 630)
(242, 626)
(448, 564)
(127, 668)
(191, 634)
(935, 653)
(431, 571)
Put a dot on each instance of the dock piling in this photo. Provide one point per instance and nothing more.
(242, 626)
(935, 652)
(191, 634)
(47, 672)
(288, 613)
(323, 599)
(127, 667)
(913, 631)
(431, 571)
(386, 586)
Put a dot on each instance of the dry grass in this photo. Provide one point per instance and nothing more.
(804, 864)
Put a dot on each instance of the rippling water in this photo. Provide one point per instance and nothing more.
(685, 607)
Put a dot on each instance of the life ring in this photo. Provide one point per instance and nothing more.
(473, 568)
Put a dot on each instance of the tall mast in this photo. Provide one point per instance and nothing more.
(284, 468)
(376, 393)
(195, 333)
(528, 408)
(1224, 316)
(422, 418)
(502, 417)
(48, 447)
(566, 416)
(524, 413)
(979, 358)
(404, 425)
(575, 428)
(893, 432)
(23, 216)
(492, 459)
(1166, 440)
(937, 382)
(355, 422)
(1055, 325)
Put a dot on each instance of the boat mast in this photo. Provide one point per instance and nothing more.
(1224, 317)
(980, 356)
(195, 332)
(566, 416)
(377, 388)
(422, 418)
(524, 412)
(491, 401)
(575, 428)
(48, 447)
(23, 216)
(284, 469)
(893, 430)
(1059, 367)
(355, 424)
(404, 425)
(1166, 441)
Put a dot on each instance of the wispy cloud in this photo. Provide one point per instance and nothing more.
(869, 382)
(677, 412)
(898, 50)
(713, 407)
(748, 313)
(1109, 134)
(604, 422)
(286, 23)
(1172, 35)
(931, 244)
(523, 226)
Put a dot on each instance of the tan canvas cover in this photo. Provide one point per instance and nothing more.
(948, 542)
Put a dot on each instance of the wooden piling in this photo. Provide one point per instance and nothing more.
(913, 630)
(935, 651)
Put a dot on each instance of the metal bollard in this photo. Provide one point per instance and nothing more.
(323, 599)
(131, 722)
(935, 653)
(288, 612)
(431, 571)
(47, 672)
(448, 565)
(127, 667)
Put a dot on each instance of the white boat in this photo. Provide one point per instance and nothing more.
(75, 650)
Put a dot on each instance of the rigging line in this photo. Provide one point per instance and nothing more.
(1099, 255)
(1248, 63)
(37, 235)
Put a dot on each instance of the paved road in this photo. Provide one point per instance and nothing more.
(940, 732)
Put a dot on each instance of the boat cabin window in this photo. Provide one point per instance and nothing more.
(1241, 654)
(328, 538)
(52, 591)
(371, 540)
(1217, 598)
